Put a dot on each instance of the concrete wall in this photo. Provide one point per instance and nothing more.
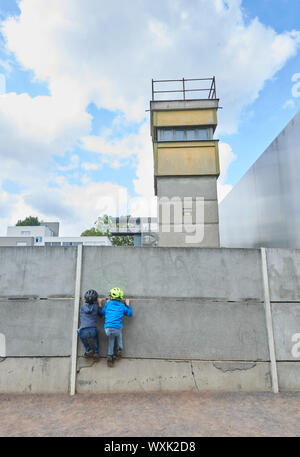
(263, 207)
(177, 198)
(14, 240)
(199, 320)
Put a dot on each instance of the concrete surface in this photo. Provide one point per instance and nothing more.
(289, 376)
(183, 104)
(40, 271)
(286, 320)
(193, 329)
(187, 186)
(197, 236)
(284, 274)
(170, 213)
(140, 375)
(34, 375)
(263, 207)
(180, 414)
(191, 306)
(51, 375)
(37, 327)
(228, 274)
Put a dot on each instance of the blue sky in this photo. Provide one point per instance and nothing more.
(73, 123)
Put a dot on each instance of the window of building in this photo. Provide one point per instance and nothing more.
(39, 239)
(72, 243)
(53, 243)
(184, 133)
(25, 233)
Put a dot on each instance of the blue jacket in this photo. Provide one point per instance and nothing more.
(88, 315)
(114, 310)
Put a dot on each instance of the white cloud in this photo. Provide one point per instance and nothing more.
(289, 104)
(226, 158)
(106, 53)
(91, 166)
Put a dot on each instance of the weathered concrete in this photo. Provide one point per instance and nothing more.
(192, 329)
(289, 376)
(138, 375)
(228, 274)
(184, 104)
(198, 235)
(51, 375)
(34, 375)
(286, 323)
(173, 213)
(198, 322)
(37, 327)
(263, 207)
(284, 274)
(188, 186)
(40, 271)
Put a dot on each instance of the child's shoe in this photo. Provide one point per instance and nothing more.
(88, 354)
(118, 354)
(110, 361)
(97, 356)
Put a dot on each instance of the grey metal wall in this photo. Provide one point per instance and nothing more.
(263, 208)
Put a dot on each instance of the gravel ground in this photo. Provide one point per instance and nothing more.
(180, 414)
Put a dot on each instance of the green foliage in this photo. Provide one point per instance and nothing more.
(122, 240)
(103, 227)
(29, 221)
(91, 232)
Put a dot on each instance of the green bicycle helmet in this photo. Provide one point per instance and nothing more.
(116, 293)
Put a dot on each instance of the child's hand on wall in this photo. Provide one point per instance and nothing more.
(100, 302)
(127, 303)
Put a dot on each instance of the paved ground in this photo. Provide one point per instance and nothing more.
(151, 414)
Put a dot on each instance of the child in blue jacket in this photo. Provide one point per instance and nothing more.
(88, 323)
(114, 310)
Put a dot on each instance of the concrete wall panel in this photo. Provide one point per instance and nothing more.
(188, 160)
(174, 212)
(189, 186)
(288, 376)
(196, 236)
(193, 329)
(284, 274)
(35, 375)
(177, 272)
(286, 323)
(37, 327)
(40, 271)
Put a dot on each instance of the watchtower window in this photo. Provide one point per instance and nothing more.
(184, 133)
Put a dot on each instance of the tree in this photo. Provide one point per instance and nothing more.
(29, 221)
(91, 232)
(103, 227)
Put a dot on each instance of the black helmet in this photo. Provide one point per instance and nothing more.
(91, 296)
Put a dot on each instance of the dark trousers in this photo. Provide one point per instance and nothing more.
(89, 333)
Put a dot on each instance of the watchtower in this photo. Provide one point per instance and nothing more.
(186, 161)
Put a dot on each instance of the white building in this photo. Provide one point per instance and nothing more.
(77, 240)
(37, 232)
(46, 234)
